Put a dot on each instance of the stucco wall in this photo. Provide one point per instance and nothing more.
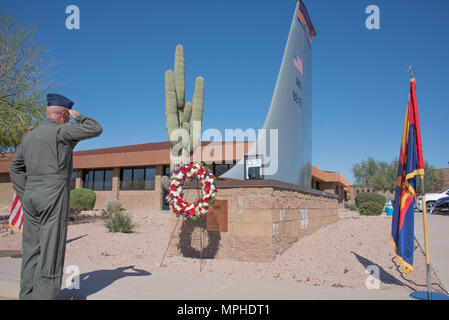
(262, 223)
(6, 192)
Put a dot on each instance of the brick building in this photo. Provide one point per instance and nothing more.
(133, 173)
(356, 189)
(330, 182)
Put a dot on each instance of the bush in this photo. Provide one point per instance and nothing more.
(82, 200)
(113, 206)
(363, 197)
(370, 208)
(119, 222)
(350, 205)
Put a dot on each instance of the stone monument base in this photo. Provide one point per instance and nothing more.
(253, 220)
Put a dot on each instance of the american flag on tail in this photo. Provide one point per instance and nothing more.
(16, 215)
(297, 62)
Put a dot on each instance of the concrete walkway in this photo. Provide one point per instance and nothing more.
(438, 234)
(105, 283)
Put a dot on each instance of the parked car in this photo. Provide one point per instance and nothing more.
(418, 203)
(431, 198)
(441, 205)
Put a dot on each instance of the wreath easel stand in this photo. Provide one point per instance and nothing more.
(201, 232)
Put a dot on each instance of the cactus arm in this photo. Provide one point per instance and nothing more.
(196, 119)
(170, 103)
(198, 100)
(187, 113)
(180, 76)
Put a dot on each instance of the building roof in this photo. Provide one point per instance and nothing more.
(158, 153)
(147, 154)
(329, 176)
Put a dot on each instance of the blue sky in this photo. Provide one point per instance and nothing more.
(113, 68)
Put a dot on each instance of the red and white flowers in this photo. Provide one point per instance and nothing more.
(176, 196)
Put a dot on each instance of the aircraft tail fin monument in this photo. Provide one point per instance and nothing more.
(285, 142)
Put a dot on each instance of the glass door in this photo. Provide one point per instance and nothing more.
(165, 205)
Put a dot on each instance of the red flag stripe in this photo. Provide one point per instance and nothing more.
(21, 218)
(404, 211)
(16, 199)
(414, 118)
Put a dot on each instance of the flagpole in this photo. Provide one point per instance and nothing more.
(426, 241)
(422, 294)
(424, 214)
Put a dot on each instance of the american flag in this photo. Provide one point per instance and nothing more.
(298, 63)
(16, 215)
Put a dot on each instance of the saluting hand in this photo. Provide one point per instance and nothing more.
(74, 113)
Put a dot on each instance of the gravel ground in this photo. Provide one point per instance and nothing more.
(336, 255)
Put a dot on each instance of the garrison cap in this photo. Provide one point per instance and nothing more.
(54, 99)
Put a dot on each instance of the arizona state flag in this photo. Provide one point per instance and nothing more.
(410, 165)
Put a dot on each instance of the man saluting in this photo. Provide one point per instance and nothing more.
(40, 171)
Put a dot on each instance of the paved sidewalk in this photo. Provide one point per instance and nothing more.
(438, 234)
(106, 283)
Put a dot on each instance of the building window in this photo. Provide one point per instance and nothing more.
(221, 168)
(98, 180)
(137, 178)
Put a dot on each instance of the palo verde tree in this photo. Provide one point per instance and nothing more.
(23, 68)
(382, 175)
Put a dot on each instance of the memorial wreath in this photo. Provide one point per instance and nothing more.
(176, 195)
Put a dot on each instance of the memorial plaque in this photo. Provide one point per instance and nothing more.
(217, 217)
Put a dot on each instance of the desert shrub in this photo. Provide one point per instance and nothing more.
(82, 199)
(119, 222)
(113, 206)
(370, 208)
(350, 205)
(363, 197)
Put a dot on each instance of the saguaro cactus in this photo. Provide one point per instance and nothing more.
(183, 118)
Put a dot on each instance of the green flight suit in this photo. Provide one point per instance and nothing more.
(40, 171)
